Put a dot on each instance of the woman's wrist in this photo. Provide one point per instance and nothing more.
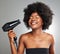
(11, 40)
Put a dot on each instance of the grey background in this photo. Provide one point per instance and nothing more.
(13, 9)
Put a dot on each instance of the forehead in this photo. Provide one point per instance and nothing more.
(34, 14)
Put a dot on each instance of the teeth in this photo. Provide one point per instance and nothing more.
(34, 22)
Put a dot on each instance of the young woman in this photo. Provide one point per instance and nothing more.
(38, 17)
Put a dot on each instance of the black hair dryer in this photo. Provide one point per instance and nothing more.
(10, 26)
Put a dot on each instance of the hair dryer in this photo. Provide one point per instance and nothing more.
(11, 25)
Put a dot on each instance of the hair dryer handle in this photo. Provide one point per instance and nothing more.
(15, 40)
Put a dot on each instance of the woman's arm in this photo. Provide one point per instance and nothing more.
(11, 36)
(51, 49)
(21, 45)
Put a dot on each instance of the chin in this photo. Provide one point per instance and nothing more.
(34, 27)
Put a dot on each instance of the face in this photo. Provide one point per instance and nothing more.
(35, 21)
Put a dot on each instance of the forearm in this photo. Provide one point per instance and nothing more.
(13, 47)
(51, 53)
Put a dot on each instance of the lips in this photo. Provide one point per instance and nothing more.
(33, 22)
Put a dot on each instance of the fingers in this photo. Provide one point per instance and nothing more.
(11, 34)
(10, 31)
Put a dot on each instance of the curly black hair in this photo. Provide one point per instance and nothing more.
(42, 9)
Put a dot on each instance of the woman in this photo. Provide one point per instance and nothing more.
(38, 17)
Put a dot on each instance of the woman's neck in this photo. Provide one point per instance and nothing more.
(37, 32)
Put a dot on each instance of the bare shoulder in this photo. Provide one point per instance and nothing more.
(24, 37)
(50, 37)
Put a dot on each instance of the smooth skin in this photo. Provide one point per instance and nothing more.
(34, 39)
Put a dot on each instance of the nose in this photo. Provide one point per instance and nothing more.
(33, 18)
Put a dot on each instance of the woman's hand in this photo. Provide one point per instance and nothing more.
(11, 35)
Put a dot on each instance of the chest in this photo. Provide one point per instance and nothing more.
(38, 42)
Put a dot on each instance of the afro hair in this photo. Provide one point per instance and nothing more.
(43, 10)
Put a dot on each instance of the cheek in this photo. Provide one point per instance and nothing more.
(40, 21)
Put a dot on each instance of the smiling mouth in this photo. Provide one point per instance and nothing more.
(33, 22)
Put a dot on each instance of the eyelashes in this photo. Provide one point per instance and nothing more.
(31, 17)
